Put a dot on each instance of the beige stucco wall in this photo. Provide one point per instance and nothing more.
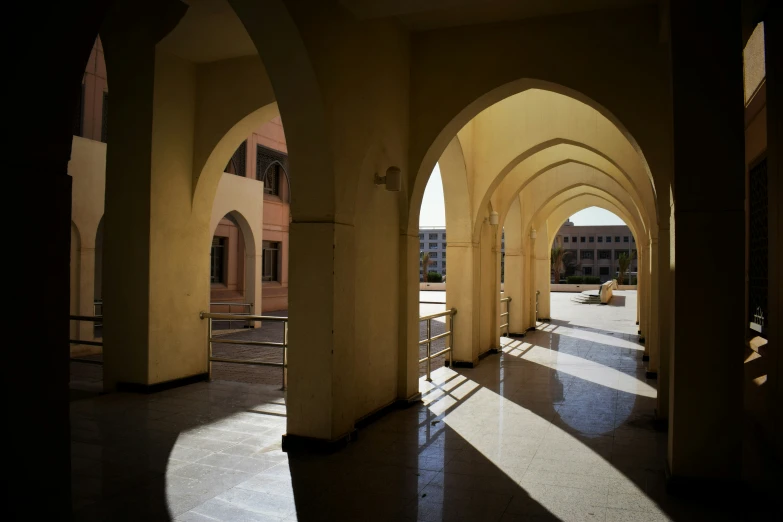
(88, 170)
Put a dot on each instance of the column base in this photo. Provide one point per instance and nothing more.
(302, 444)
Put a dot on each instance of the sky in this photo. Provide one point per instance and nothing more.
(433, 211)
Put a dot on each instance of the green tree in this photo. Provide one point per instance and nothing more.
(559, 255)
(425, 264)
(624, 263)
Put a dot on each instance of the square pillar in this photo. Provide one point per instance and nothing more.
(705, 429)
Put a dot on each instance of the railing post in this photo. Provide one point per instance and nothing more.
(285, 355)
(209, 349)
(429, 348)
(451, 341)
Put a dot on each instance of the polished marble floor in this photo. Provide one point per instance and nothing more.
(557, 427)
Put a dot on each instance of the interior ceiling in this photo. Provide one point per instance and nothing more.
(423, 15)
(209, 31)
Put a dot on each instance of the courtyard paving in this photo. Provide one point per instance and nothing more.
(559, 426)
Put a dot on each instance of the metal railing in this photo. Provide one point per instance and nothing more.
(93, 319)
(248, 306)
(96, 304)
(246, 317)
(537, 294)
(505, 314)
(429, 339)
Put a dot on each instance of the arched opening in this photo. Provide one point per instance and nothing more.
(591, 247)
(433, 274)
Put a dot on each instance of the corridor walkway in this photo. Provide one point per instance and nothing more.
(557, 427)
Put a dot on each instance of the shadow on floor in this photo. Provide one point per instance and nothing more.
(555, 428)
(617, 300)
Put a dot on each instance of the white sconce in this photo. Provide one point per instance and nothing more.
(533, 234)
(392, 179)
(494, 219)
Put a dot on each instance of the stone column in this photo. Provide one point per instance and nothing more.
(87, 293)
(462, 294)
(513, 283)
(705, 428)
(774, 58)
(541, 254)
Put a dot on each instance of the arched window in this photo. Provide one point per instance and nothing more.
(273, 177)
(236, 165)
(272, 169)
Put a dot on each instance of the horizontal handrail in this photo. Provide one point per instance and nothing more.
(229, 303)
(439, 336)
(450, 311)
(86, 343)
(242, 317)
(429, 339)
(90, 318)
(506, 314)
(218, 340)
(242, 361)
(211, 340)
(86, 361)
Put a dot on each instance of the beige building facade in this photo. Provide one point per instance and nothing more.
(638, 110)
(261, 160)
(594, 250)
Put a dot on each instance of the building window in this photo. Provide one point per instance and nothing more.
(271, 166)
(617, 253)
(573, 239)
(443, 236)
(421, 236)
(443, 246)
(625, 239)
(433, 236)
(588, 270)
(565, 239)
(443, 264)
(587, 254)
(433, 246)
(270, 270)
(592, 239)
(237, 163)
(633, 240)
(600, 239)
(604, 254)
(421, 246)
(603, 270)
(433, 255)
(444, 254)
(271, 179)
(502, 246)
(582, 239)
(616, 239)
(217, 258)
(105, 117)
(608, 239)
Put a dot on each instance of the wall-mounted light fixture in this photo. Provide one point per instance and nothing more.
(392, 179)
(494, 219)
(533, 234)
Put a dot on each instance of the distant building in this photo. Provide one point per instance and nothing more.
(433, 240)
(595, 250)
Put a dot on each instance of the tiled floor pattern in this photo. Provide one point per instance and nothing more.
(558, 427)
